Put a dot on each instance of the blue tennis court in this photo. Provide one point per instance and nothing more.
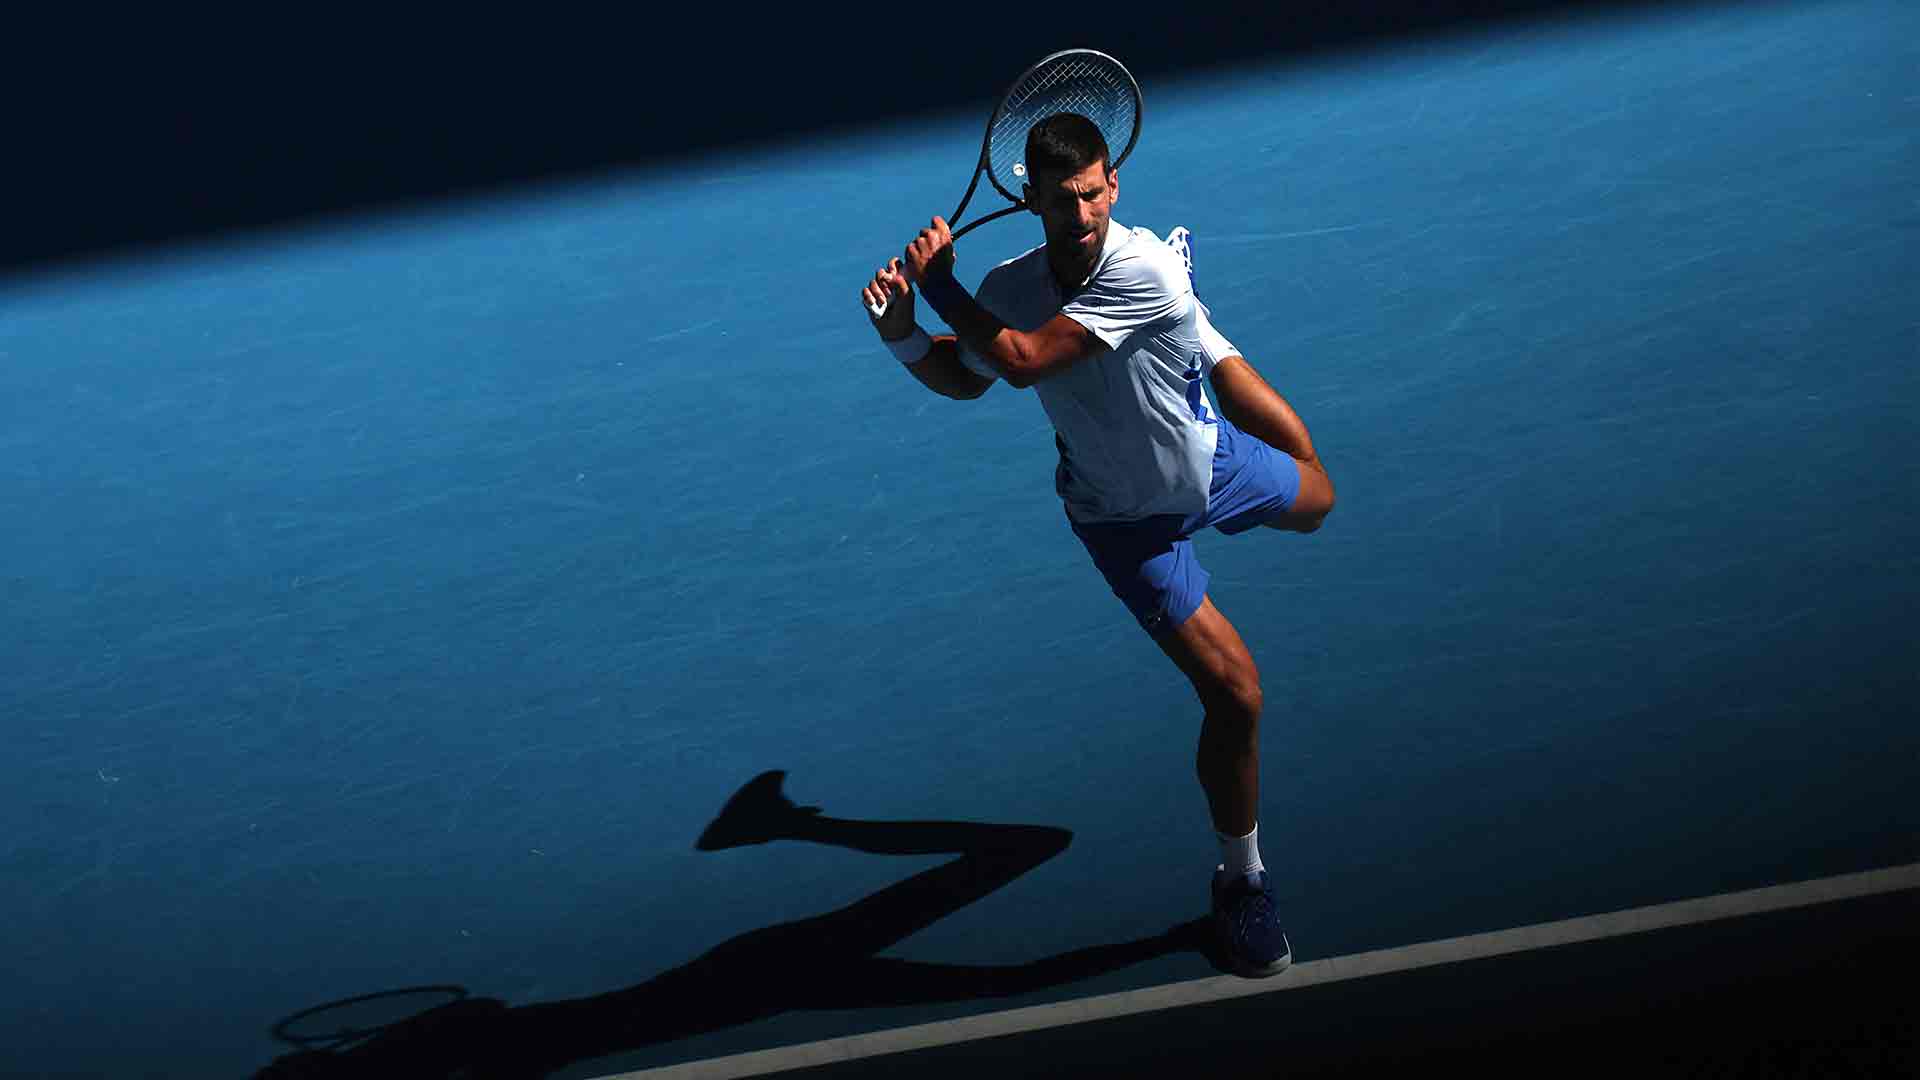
(394, 603)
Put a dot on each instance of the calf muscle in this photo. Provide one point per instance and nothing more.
(1209, 651)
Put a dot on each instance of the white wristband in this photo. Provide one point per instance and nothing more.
(913, 348)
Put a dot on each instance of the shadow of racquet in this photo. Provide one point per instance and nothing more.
(826, 961)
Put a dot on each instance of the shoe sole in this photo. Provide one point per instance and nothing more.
(1236, 966)
(1248, 971)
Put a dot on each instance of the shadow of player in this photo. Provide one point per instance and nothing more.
(827, 961)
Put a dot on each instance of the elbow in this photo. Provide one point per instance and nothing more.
(967, 387)
(1016, 367)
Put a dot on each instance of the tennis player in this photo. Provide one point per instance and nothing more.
(1102, 321)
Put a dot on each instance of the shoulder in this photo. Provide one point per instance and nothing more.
(1140, 266)
(1144, 259)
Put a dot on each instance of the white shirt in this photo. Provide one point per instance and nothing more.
(1135, 433)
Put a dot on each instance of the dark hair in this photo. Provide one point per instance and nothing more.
(1063, 144)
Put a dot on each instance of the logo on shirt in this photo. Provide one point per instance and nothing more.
(1196, 400)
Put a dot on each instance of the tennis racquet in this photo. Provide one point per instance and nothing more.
(1082, 81)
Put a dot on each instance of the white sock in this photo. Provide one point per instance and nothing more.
(1241, 854)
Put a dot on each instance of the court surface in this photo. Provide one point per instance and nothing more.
(393, 604)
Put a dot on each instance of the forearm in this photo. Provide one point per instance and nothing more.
(1003, 348)
(942, 372)
(1256, 408)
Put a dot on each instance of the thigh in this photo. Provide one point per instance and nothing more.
(1254, 484)
(1210, 652)
(1151, 567)
(1311, 502)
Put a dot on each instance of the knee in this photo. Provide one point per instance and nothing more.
(1250, 699)
(1237, 702)
(1321, 503)
(1312, 502)
(1231, 730)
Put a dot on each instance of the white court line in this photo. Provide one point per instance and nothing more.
(1311, 973)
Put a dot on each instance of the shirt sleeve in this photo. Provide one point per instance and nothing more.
(1214, 347)
(1142, 286)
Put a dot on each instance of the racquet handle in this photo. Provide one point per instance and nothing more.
(881, 308)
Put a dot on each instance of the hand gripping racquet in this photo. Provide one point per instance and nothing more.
(1082, 81)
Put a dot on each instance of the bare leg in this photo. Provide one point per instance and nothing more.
(1256, 408)
(1209, 651)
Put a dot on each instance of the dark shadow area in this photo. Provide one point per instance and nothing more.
(180, 126)
(1821, 991)
(824, 962)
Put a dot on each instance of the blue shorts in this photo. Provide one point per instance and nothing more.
(1150, 562)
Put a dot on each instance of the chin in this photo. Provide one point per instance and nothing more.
(1078, 246)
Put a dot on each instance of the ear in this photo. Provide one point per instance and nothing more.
(1113, 185)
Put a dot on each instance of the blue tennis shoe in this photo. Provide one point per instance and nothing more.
(1246, 925)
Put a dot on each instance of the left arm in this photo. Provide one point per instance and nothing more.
(1022, 358)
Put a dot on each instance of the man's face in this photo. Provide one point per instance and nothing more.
(1074, 211)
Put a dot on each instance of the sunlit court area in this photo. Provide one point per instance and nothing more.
(536, 628)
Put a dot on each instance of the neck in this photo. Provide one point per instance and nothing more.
(1069, 269)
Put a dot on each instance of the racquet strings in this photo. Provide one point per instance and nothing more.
(1091, 84)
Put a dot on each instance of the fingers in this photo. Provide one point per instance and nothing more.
(934, 237)
(934, 244)
(887, 284)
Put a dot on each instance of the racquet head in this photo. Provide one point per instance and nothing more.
(1082, 81)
